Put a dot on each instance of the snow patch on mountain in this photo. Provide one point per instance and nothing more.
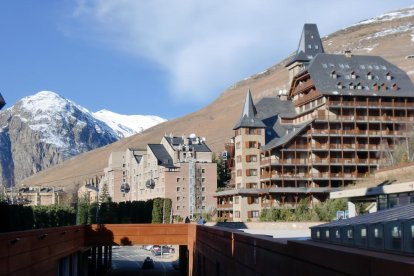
(388, 16)
(391, 31)
(49, 114)
(127, 125)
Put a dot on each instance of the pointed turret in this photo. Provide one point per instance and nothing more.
(2, 102)
(248, 116)
(310, 45)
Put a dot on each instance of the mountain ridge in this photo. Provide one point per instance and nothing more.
(45, 129)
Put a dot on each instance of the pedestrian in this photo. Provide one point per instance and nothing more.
(187, 220)
(201, 221)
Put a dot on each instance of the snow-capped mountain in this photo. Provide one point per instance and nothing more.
(45, 129)
(127, 125)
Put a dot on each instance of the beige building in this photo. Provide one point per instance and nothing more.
(35, 196)
(90, 189)
(179, 168)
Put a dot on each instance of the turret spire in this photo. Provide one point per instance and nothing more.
(248, 116)
(310, 44)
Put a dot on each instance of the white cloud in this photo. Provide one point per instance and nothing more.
(205, 46)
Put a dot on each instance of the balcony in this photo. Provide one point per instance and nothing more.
(225, 206)
(365, 104)
(303, 87)
(356, 132)
(363, 118)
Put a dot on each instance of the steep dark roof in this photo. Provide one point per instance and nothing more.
(291, 131)
(310, 44)
(2, 102)
(328, 71)
(194, 144)
(248, 117)
(164, 159)
(174, 141)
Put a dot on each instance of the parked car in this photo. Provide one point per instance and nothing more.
(156, 250)
(148, 263)
(148, 247)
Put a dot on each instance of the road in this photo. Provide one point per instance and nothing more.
(128, 260)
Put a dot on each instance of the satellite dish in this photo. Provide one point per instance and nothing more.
(125, 188)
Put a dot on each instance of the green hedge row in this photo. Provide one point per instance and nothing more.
(150, 211)
(18, 217)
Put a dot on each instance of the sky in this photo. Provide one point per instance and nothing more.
(165, 58)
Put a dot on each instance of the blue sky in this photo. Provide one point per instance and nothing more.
(165, 58)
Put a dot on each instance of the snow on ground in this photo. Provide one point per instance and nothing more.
(390, 31)
(388, 16)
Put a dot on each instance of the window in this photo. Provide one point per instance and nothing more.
(252, 131)
(203, 180)
(251, 172)
(251, 158)
(178, 179)
(178, 189)
(203, 189)
(178, 198)
(253, 214)
(203, 170)
(238, 145)
(316, 46)
(236, 200)
(237, 214)
(178, 207)
(239, 172)
(238, 158)
(203, 198)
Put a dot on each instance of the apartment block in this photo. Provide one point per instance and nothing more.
(179, 168)
(339, 122)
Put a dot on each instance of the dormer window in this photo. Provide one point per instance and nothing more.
(309, 46)
(353, 75)
(351, 86)
(395, 87)
(339, 85)
(334, 75)
(369, 76)
(359, 86)
(383, 87)
(388, 76)
(375, 86)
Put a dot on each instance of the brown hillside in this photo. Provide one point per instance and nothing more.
(389, 39)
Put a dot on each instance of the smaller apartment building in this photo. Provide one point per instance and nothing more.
(179, 168)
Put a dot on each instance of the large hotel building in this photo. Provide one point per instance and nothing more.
(338, 122)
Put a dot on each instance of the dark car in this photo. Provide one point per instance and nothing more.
(156, 250)
(148, 263)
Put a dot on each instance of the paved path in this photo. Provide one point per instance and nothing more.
(128, 260)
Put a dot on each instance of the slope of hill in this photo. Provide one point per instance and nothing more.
(391, 39)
